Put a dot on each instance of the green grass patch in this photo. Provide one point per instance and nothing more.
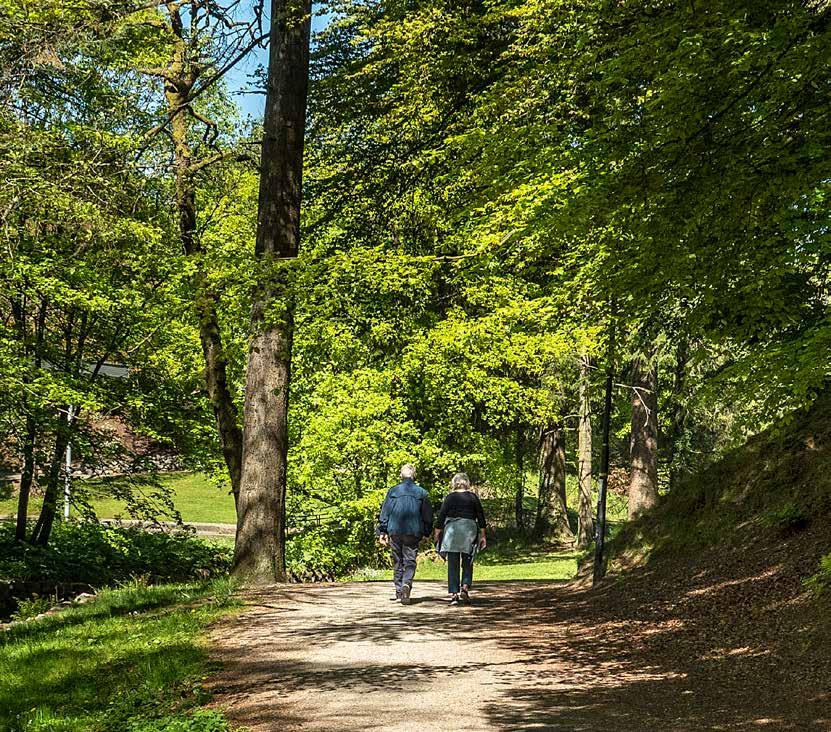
(196, 498)
(493, 564)
(133, 661)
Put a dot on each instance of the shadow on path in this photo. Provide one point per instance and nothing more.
(711, 645)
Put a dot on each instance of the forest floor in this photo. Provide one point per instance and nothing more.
(710, 642)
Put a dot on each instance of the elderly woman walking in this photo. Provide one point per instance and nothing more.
(459, 534)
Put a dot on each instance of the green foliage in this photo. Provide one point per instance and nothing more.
(202, 720)
(820, 583)
(31, 607)
(787, 518)
(131, 660)
(100, 555)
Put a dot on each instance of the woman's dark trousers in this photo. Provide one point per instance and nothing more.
(453, 561)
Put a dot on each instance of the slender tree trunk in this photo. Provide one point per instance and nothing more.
(259, 554)
(27, 474)
(678, 414)
(43, 527)
(585, 522)
(519, 496)
(180, 76)
(643, 485)
(26, 478)
(552, 515)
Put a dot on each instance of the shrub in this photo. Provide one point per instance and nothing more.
(202, 720)
(32, 607)
(820, 583)
(344, 540)
(786, 519)
(104, 555)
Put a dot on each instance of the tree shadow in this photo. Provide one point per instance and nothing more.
(710, 641)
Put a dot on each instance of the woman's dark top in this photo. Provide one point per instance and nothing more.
(461, 504)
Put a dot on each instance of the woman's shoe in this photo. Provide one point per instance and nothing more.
(454, 600)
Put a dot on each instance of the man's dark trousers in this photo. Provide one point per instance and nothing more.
(404, 550)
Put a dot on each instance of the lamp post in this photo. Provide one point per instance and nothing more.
(67, 484)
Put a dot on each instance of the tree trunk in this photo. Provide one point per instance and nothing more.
(26, 478)
(643, 485)
(552, 516)
(585, 522)
(677, 416)
(519, 496)
(259, 554)
(43, 527)
(27, 474)
(180, 76)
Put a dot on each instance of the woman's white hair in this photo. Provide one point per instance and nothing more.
(407, 471)
(460, 482)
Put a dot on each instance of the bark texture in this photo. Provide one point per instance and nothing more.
(585, 521)
(643, 485)
(259, 555)
(552, 516)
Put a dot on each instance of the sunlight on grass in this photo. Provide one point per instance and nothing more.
(196, 498)
(492, 566)
(121, 662)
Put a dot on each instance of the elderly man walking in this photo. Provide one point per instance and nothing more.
(406, 516)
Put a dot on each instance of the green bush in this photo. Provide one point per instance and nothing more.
(202, 720)
(32, 607)
(343, 542)
(104, 555)
(786, 519)
(820, 583)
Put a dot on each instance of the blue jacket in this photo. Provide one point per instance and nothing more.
(406, 510)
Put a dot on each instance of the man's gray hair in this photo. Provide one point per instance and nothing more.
(460, 482)
(407, 471)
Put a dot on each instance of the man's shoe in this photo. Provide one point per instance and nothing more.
(405, 595)
(463, 596)
(454, 600)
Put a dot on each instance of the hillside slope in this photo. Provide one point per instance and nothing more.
(721, 573)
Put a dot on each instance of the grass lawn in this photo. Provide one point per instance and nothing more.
(493, 564)
(196, 498)
(131, 660)
(200, 501)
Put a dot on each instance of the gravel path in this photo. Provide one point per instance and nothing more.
(344, 657)
(704, 643)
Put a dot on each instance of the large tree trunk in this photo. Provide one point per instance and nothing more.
(643, 485)
(259, 554)
(180, 76)
(552, 516)
(585, 522)
(26, 478)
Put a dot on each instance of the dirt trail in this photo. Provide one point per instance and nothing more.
(716, 645)
(345, 657)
